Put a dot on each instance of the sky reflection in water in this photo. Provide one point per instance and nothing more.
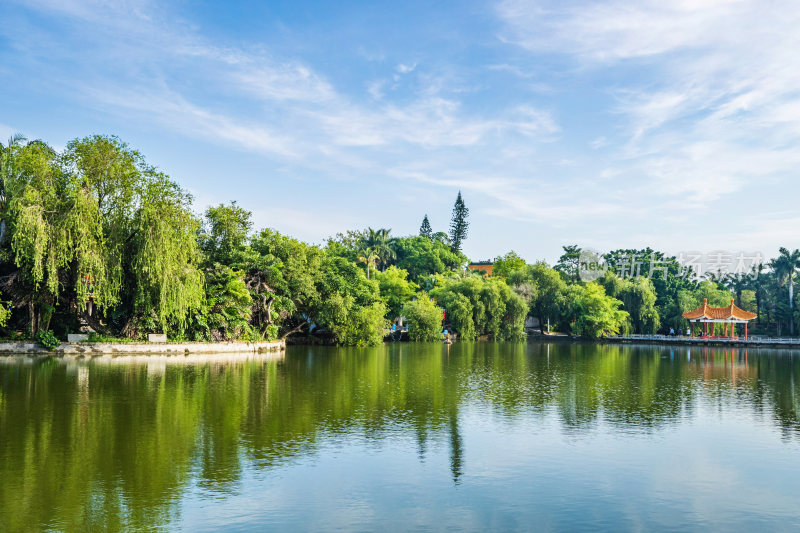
(506, 436)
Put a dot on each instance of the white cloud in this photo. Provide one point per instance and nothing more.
(172, 110)
(284, 82)
(431, 122)
(405, 69)
(706, 90)
(692, 102)
(375, 88)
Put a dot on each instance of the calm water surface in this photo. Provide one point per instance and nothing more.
(407, 437)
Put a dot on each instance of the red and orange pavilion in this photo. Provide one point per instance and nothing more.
(729, 316)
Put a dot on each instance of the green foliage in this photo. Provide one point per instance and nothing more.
(425, 229)
(667, 275)
(459, 311)
(58, 230)
(228, 304)
(747, 300)
(459, 225)
(164, 273)
(569, 263)
(225, 233)
(47, 339)
(382, 245)
(785, 267)
(638, 296)
(395, 289)
(349, 304)
(347, 245)
(99, 337)
(507, 264)
(477, 305)
(364, 326)
(424, 319)
(422, 257)
(283, 276)
(97, 222)
(5, 313)
(369, 258)
(594, 314)
(295, 285)
(544, 289)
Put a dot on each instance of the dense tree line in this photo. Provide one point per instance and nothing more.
(653, 290)
(95, 236)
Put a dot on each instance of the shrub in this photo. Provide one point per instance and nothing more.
(47, 339)
(424, 319)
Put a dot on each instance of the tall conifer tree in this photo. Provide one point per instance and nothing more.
(459, 224)
(425, 229)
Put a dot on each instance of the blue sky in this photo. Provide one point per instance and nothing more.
(606, 124)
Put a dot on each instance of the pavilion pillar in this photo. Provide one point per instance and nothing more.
(745, 331)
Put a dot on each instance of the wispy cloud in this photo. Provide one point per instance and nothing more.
(707, 90)
(405, 69)
(584, 118)
(288, 109)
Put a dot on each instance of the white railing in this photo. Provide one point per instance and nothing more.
(755, 339)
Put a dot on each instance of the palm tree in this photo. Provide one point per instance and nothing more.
(757, 274)
(737, 283)
(369, 257)
(382, 244)
(785, 267)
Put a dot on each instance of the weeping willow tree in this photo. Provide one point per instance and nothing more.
(57, 235)
(163, 256)
(97, 224)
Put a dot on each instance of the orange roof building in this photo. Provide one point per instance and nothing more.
(484, 267)
(729, 315)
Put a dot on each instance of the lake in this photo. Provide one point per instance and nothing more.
(475, 436)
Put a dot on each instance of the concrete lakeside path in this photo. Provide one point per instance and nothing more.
(775, 342)
(173, 349)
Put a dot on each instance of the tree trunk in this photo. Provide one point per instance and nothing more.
(791, 306)
(295, 330)
(268, 320)
(46, 325)
(95, 324)
(758, 306)
(126, 329)
(32, 317)
(269, 310)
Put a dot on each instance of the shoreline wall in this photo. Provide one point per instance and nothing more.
(78, 349)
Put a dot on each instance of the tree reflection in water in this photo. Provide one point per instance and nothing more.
(116, 446)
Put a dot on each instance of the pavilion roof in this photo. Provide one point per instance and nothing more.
(719, 313)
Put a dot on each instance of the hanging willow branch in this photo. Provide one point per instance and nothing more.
(166, 278)
(98, 223)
